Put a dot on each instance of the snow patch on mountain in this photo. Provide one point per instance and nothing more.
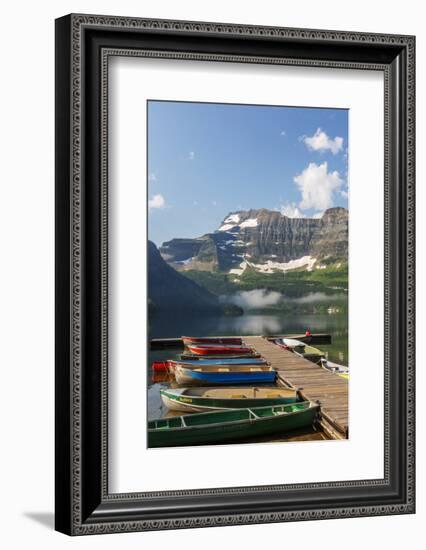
(226, 227)
(232, 222)
(233, 218)
(270, 266)
(240, 270)
(251, 222)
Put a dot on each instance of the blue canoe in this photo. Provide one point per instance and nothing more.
(216, 375)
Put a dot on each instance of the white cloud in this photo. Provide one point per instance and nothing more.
(321, 142)
(283, 133)
(317, 186)
(157, 201)
(291, 211)
(152, 177)
(191, 155)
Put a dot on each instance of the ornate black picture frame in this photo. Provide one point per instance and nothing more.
(83, 45)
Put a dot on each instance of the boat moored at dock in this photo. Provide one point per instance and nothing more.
(291, 344)
(335, 368)
(300, 348)
(193, 357)
(218, 362)
(226, 340)
(222, 375)
(219, 349)
(170, 364)
(205, 399)
(229, 425)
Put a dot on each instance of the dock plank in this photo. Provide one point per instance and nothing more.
(315, 383)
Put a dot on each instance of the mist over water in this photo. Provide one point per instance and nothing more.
(262, 298)
(176, 325)
(255, 299)
(318, 297)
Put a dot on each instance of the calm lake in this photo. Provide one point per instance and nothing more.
(176, 325)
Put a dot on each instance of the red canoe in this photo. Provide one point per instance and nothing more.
(160, 366)
(189, 340)
(217, 360)
(218, 349)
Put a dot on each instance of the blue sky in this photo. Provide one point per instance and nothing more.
(206, 160)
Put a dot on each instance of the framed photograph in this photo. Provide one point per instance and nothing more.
(234, 274)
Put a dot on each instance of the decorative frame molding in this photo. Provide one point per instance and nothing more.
(84, 44)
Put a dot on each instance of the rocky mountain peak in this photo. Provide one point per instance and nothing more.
(265, 240)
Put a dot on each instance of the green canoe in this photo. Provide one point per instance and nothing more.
(303, 350)
(205, 399)
(229, 425)
(311, 354)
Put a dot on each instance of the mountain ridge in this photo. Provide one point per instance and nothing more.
(265, 240)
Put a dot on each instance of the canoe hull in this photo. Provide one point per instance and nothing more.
(223, 432)
(219, 362)
(191, 377)
(191, 357)
(205, 349)
(300, 348)
(190, 340)
(335, 368)
(310, 353)
(312, 357)
(191, 403)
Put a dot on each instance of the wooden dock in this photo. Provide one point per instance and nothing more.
(313, 382)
